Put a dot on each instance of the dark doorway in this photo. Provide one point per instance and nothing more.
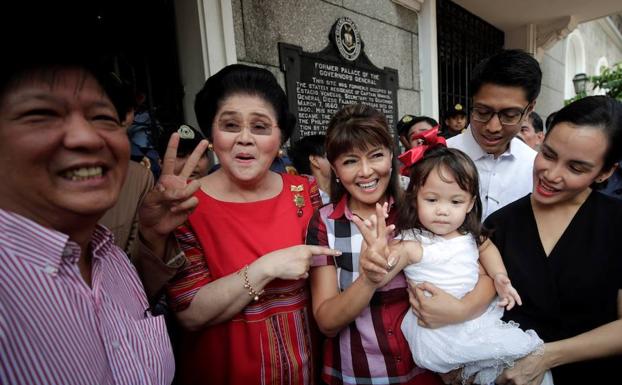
(463, 40)
(146, 34)
(139, 36)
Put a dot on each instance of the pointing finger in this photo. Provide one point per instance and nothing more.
(321, 250)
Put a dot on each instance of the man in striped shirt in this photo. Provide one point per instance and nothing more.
(72, 309)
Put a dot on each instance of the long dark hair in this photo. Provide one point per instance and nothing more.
(599, 112)
(358, 126)
(464, 172)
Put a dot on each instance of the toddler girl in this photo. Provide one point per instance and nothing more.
(441, 243)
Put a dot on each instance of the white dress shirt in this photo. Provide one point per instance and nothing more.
(502, 180)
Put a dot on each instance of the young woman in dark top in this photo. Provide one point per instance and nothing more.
(562, 249)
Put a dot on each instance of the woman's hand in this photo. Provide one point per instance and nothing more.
(528, 370)
(293, 262)
(375, 261)
(506, 292)
(172, 199)
(434, 307)
(455, 378)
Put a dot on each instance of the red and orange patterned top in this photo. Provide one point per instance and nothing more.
(271, 340)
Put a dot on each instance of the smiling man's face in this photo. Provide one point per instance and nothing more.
(63, 148)
(492, 136)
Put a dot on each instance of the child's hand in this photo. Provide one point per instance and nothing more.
(508, 294)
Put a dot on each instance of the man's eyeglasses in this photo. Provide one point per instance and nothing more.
(507, 116)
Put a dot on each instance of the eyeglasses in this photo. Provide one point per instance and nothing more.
(507, 116)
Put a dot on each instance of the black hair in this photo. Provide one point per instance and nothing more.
(465, 174)
(426, 119)
(512, 68)
(536, 122)
(246, 80)
(549, 119)
(599, 112)
(404, 127)
(49, 71)
(359, 126)
(303, 148)
(453, 112)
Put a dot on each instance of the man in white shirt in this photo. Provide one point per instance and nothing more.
(504, 88)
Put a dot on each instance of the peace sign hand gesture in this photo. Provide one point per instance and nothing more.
(375, 260)
(172, 199)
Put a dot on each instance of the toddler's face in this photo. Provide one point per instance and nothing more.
(442, 205)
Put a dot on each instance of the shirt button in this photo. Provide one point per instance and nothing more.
(398, 358)
(51, 270)
(390, 332)
(115, 345)
(67, 252)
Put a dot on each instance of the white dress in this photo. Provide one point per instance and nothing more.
(483, 346)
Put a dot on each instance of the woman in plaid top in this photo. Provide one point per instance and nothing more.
(358, 302)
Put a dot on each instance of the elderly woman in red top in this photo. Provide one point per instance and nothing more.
(244, 291)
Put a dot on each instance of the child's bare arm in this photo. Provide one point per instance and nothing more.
(490, 258)
(405, 253)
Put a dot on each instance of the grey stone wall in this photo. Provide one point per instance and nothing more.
(388, 30)
(551, 96)
(597, 44)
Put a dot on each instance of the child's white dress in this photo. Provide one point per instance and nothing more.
(484, 346)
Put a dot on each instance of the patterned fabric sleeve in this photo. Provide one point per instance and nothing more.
(316, 235)
(314, 194)
(193, 276)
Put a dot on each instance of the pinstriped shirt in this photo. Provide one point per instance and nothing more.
(55, 329)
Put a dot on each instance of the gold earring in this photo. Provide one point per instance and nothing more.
(280, 153)
(210, 147)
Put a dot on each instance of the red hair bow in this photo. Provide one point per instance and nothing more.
(430, 138)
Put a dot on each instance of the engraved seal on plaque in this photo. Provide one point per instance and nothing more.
(347, 38)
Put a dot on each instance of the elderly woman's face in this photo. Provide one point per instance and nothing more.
(246, 137)
(65, 148)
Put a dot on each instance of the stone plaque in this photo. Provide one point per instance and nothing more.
(319, 84)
